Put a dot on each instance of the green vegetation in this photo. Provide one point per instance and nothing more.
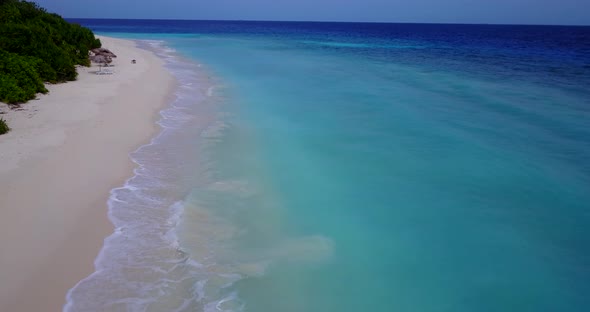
(37, 47)
(19, 78)
(3, 126)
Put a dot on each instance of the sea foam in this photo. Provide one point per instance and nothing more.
(142, 265)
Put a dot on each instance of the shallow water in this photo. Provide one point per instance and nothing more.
(346, 167)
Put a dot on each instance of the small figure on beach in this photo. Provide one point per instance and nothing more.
(133, 62)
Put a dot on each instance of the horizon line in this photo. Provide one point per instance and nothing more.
(312, 21)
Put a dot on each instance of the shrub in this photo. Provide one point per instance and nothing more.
(19, 80)
(3, 126)
(37, 47)
(54, 46)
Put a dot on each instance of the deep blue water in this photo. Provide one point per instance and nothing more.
(391, 167)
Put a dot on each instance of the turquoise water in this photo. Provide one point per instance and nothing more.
(437, 191)
(355, 173)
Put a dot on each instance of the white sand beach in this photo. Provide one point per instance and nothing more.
(65, 152)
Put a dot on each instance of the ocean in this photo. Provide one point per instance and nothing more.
(355, 167)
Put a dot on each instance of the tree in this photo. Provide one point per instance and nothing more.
(36, 47)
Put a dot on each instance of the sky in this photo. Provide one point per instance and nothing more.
(547, 12)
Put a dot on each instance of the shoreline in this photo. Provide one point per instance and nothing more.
(64, 155)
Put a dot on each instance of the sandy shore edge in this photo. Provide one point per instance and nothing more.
(66, 151)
